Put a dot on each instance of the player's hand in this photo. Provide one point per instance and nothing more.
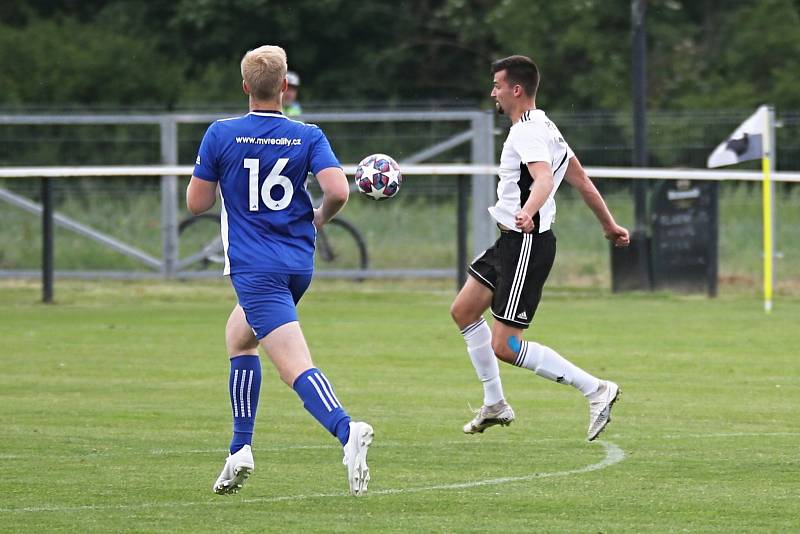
(618, 235)
(524, 222)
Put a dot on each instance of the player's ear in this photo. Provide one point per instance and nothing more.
(245, 88)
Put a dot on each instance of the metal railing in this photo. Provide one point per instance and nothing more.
(480, 134)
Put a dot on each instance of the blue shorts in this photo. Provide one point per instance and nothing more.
(269, 299)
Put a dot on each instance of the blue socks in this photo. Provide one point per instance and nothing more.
(319, 399)
(244, 386)
(313, 388)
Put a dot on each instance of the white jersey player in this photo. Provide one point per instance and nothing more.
(508, 277)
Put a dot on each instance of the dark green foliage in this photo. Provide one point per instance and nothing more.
(63, 62)
(705, 54)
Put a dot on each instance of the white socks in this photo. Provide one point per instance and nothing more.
(549, 364)
(479, 345)
(540, 359)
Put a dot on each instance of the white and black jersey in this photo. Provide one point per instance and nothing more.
(533, 138)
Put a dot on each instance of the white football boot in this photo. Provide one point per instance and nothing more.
(238, 467)
(600, 403)
(499, 413)
(355, 457)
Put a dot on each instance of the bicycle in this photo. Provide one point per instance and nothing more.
(339, 243)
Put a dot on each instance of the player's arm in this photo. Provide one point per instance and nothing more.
(335, 191)
(577, 178)
(200, 195)
(542, 175)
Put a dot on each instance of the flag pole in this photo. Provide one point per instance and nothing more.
(767, 223)
(768, 218)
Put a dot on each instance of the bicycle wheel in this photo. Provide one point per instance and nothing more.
(200, 234)
(341, 246)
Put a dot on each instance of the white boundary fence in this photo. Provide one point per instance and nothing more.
(480, 240)
(632, 173)
(479, 134)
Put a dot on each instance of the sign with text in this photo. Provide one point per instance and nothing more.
(684, 226)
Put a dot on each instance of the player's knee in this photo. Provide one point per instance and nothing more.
(502, 350)
(459, 315)
(454, 312)
(239, 342)
(239, 349)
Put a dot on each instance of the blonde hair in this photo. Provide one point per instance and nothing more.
(264, 69)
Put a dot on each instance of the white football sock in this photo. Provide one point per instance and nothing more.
(479, 345)
(549, 364)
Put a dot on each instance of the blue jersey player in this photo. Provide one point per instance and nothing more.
(260, 162)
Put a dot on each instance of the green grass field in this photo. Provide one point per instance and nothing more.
(114, 416)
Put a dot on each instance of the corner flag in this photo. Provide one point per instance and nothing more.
(753, 140)
(746, 143)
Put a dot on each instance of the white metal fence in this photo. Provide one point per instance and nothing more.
(170, 267)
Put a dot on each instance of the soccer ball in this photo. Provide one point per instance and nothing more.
(378, 176)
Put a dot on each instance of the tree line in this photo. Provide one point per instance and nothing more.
(702, 54)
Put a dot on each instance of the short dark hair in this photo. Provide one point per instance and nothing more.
(520, 70)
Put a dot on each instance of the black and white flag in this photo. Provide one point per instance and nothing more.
(746, 143)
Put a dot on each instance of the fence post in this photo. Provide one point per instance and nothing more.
(47, 241)
(483, 185)
(461, 225)
(169, 198)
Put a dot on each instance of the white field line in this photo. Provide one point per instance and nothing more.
(613, 455)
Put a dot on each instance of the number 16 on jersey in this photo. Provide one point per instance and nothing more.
(274, 178)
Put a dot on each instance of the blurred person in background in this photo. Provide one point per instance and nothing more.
(291, 107)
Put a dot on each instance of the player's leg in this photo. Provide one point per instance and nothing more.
(274, 319)
(245, 377)
(526, 263)
(541, 359)
(244, 387)
(467, 311)
(549, 364)
(269, 302)
(287, 349)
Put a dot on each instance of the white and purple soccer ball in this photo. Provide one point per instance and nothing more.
(378, 176)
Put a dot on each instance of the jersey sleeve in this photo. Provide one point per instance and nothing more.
(531, 143)
(570, 153)
(205, 166)
(321, 154)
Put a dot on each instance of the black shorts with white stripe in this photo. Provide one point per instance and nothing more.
(515, 268)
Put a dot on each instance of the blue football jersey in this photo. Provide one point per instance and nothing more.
(261, 161)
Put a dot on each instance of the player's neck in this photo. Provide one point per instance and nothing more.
(264, 105)
(517, 114)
